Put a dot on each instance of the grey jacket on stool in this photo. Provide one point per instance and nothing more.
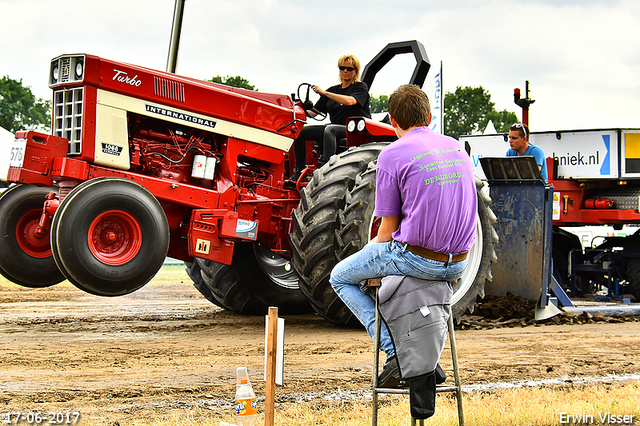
(416, 312)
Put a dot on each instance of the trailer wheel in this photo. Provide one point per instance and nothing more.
(564, 242)
(631, 247)
(25, 256)
(256, 279)
(314, 241)
(633, 276)
(360, 225)
(110, 236)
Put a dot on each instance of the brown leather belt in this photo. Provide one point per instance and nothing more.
(434, 255)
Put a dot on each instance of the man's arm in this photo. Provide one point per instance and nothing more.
(388, 226)
(538, 154)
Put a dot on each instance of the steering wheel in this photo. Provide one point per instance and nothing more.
(319, 116)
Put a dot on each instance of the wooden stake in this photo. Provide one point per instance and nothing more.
(269, 405)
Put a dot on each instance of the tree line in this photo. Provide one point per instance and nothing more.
(467, 110)
(20, 109)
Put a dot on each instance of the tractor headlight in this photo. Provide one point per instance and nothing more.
(79, 69)
(66, 69)
(356, 125)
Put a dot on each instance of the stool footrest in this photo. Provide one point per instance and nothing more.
(448, 388)
(405, 391)
(395, 391)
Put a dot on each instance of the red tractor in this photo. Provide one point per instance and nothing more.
(144, 164)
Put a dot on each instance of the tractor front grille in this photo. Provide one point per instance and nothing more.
(67, 117)
(65, 69)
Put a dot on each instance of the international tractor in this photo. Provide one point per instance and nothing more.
(144, 164)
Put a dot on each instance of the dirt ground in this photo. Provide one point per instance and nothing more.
(165, 350)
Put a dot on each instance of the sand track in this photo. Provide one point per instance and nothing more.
(165, 348)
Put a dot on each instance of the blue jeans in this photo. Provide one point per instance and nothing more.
(379, 260)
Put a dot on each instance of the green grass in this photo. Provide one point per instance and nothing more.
(513, 407)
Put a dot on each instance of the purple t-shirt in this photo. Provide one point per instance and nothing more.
(427, 179)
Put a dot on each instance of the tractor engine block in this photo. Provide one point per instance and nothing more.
(161, 151)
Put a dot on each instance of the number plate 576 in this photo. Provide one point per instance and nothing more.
(17, 153)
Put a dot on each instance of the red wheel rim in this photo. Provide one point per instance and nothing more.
(29, 241)
(115, 237)
(375, 227)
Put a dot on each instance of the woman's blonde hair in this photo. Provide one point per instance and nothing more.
(356, 64)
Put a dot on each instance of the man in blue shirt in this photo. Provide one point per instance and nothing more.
(519, 142)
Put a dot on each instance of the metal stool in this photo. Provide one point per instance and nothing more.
(456, 389)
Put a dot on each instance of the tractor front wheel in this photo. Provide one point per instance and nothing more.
(25, 252)
(110, 236)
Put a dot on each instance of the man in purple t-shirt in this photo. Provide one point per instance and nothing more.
(426, 197)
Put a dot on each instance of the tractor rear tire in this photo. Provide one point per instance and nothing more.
(194, 272)
(360, 225)
(109, 236)
(252, 283)
(316, 223)
(481, 256)
(25, 258)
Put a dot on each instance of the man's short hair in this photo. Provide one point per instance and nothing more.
(522, 128)
(409, 106)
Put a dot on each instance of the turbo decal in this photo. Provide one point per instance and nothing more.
(123, 77)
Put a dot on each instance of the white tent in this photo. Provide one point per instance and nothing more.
(6, 141)
(490, 129)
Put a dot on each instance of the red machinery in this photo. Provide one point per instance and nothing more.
(144, 164)
(595, 176)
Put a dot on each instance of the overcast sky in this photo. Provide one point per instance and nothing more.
(581, 57)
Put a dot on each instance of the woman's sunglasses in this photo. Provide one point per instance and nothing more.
(341, 68)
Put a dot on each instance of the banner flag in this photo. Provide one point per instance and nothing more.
(433, 89)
